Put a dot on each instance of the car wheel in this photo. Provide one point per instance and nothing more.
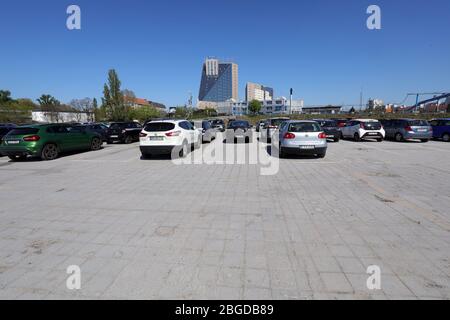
(184, 150)
(337, 139)
(199, 143)
(424, 140)
(281, 153)
(17, 158)
(145, 156)
(446, 137)
(128, 139)
(356, 137)
(321, 155)
(96, 144)
(49, 152)
(380, 140)
(109, 142)
(398, 137)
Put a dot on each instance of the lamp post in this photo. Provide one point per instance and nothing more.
(290, 101)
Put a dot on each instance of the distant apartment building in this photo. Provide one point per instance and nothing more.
(279, 106)
(139, 103)
(219, 82)
(254, 91)
(322, 109)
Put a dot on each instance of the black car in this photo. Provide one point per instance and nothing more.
(218, 124)
(331, 129)
(4, 129)
(99, 128)
(125, 132)
(239, 130)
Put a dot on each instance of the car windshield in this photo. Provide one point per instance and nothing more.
(23, 131)
(4, 131)
(277, 122)
(117, 125)
(328, 123)
(239, 124)
(159, 127)
(418, 123)
(304, 127)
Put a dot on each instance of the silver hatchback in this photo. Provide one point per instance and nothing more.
(302, 138)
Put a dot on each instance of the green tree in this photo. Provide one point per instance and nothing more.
(113, 100)
(255, 106)
(5, 97)
(144, 113)
(47, 100)
(49, 105)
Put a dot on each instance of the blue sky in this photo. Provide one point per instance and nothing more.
(321, 48)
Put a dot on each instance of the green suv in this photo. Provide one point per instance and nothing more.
(48, 141)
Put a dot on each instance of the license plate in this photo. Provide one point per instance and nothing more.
(114, 136)
(13, 142)
(373, 133)
(329, 136)
(307, 147)
(422, 130)
(156, 138)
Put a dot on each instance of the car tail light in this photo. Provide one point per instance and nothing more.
(32, 138)
(173, 134)
(142, 135)
(289, 135)
(408, 129)
(322, 135)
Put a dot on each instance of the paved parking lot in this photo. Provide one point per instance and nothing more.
(154, 230)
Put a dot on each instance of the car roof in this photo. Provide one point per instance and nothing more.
(169, 121)
(301, 121)
(366, 120)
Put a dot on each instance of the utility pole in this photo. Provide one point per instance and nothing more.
(361, 100)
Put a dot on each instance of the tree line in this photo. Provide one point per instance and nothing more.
(116, 105)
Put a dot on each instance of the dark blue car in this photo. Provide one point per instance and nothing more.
(441, 129)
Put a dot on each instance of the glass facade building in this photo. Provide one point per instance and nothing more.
(219, 81)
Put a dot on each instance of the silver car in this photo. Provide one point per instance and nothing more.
(302, 138)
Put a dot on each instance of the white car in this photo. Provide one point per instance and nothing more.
(175, 137)
(361, 129)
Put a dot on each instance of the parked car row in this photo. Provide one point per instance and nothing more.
(178, 137)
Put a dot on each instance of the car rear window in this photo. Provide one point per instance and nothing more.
(23, 131)
(239, 124)
(373, 125)
(304, 127)
(159, 127)
(418, 123)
